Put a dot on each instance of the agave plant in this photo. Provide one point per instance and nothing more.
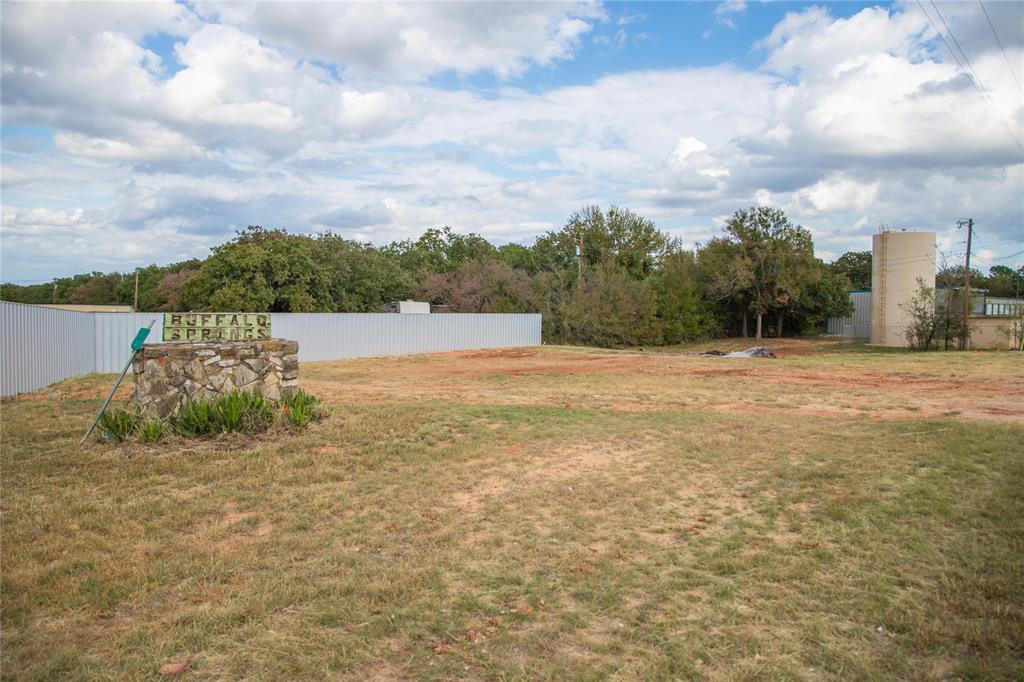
(151, 430)
(301, 408)
(195, 418)
(118, 424)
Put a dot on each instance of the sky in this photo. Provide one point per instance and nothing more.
(149, 132)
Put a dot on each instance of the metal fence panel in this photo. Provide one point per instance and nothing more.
(39, 346)
(44, 345)
(114, 334)
(856, 327)
(336, 336)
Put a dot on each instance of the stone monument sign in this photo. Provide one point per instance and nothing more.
(216, 326)
(209, 354)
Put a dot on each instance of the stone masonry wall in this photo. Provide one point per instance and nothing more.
(168, 373)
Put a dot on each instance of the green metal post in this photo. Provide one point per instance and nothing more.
(137, 342)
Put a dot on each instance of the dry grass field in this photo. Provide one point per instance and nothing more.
(547, 513)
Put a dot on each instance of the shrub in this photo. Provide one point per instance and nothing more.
(229, 410)
(233, 412)
(243, 412)
(924, 318)
(195, 418)
(301, 408)
(259, 414)
(151, 430)
(118, 424)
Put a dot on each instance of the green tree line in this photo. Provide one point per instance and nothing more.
(608, 277)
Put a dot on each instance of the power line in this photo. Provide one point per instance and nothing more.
(940, 33)
(979, 84)
(1012, 222)
(996, 240)
(998, 210)
(975, 81)
(995, 258)
(1000, 44)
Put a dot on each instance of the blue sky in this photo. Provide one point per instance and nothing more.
(135, 133)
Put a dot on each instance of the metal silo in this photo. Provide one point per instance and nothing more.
(898, 260)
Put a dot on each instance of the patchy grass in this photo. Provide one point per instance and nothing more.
(516, 515)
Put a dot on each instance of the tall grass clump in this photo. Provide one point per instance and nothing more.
(118, 424)
(196, 418)
(301, 408)
(235, 412)
(245, 412)
(151, 430)
(229, 410)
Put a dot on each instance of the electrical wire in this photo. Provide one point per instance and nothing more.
(975, 81)
(979, 84)
(1000, 44)
(998, 210)
(996, 258)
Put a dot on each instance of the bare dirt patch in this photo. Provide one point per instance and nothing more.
(802, 380)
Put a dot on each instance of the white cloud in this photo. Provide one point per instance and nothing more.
(725, 11)
(147, 142)
(686, 147)
(839, 193)
(40, 35)
(417, 40)
(851, 122)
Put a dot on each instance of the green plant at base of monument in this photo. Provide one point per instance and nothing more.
(229, 410)
(151, 430)
(118, 424)
(235, 412)
(301, 408)
(195, 418)
(246, 412)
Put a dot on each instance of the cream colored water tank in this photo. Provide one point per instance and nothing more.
(898, 259)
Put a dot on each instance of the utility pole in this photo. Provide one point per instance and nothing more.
(135, 306)
(579, 258)
(53, 296)
(965, 336)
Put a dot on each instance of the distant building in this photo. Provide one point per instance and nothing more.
(408, 307)
(996, 323)
(86, 308)
(900, 263)
(857, 325)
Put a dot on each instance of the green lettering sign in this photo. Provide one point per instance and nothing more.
(199, 327)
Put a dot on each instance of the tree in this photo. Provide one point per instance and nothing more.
(856, 266)
(168, 289)
(360, 278)
(1004, 281)
(616, 237)
(101, 289)
(260, 271)
(725, 279)
(823, 298)
(611, 309)
(439, 250)
(923, 315)
(681, 309)
(482, 285)
(519, 257)
(774, 259)
(637, 284)
(953, 276)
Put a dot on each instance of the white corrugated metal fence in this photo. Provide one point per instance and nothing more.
(856, 327)
(39, 346)
(44, 345)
